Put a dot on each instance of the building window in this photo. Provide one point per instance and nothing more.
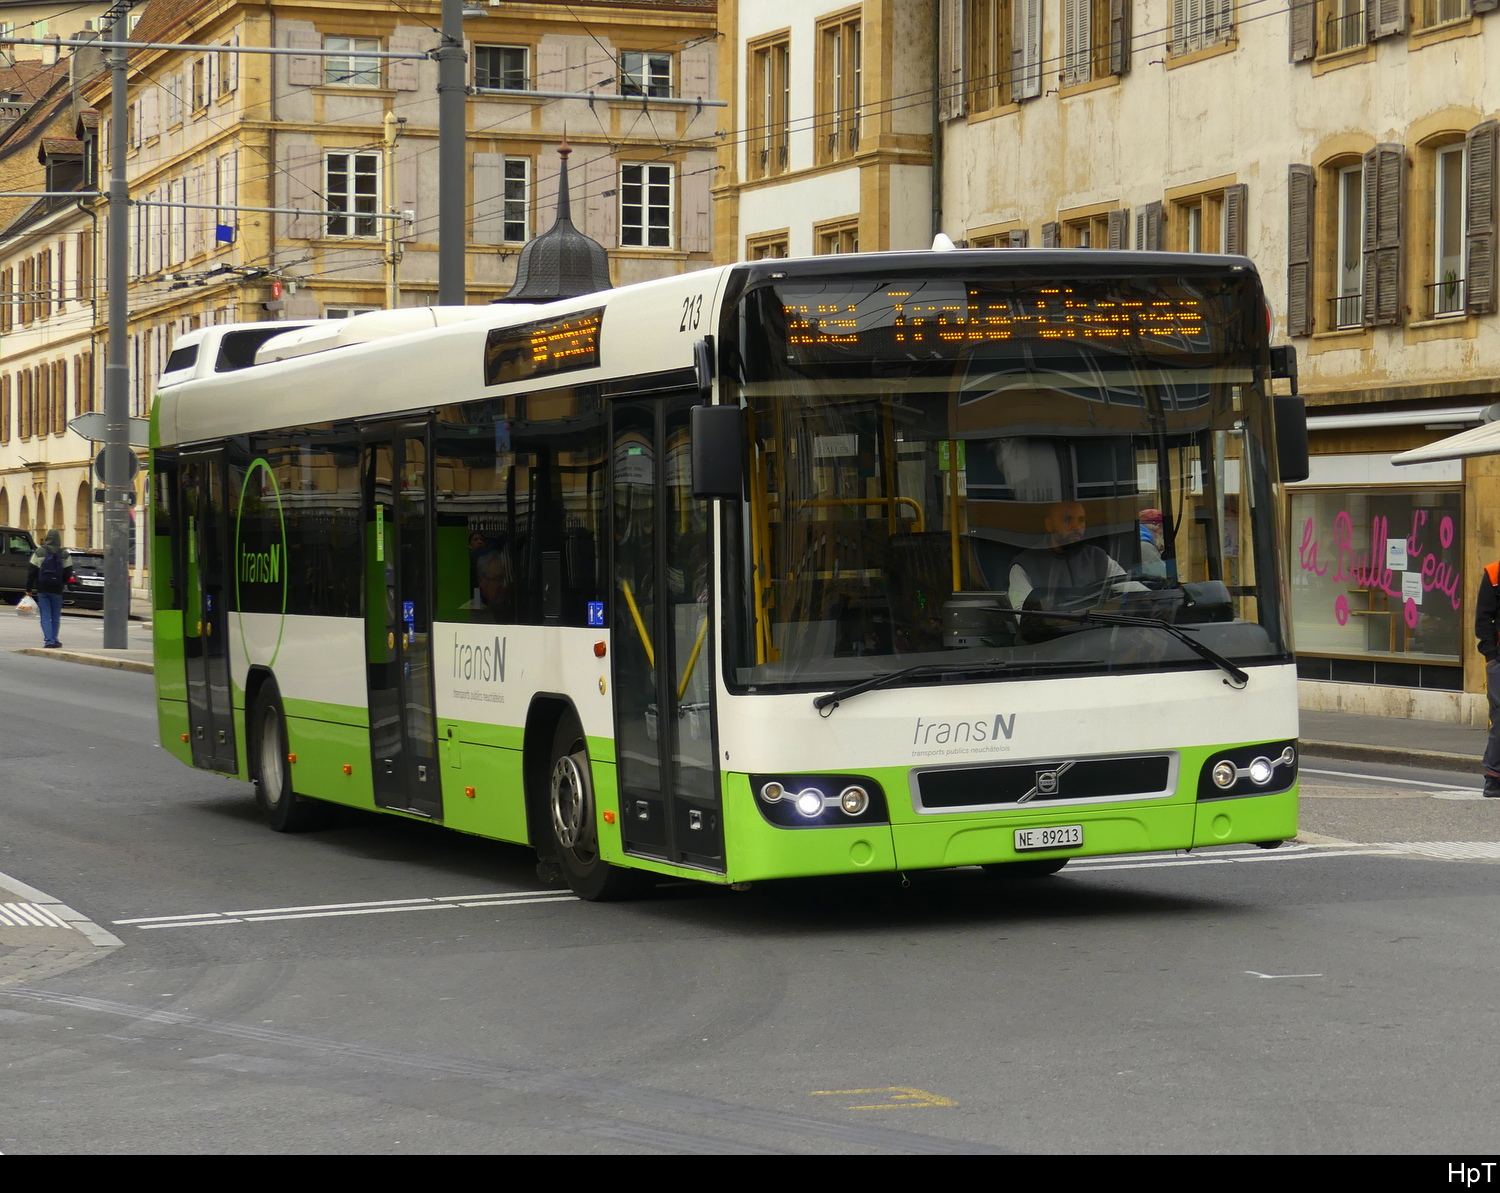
(839, 237)
(988, 44)
(767, 245)
(1349, 233)
(348, 69)
(200, 84)
(1379, 575)
(500, 68)
(1086, 32)
(1200, 24)
(347, 312)
(770, 107)
(1439, 12)
(352, 185)
(646, 74)
(516, 212)
(1211, 222)
(839, 88)
(646, 206)
(1013, 238)
(1343, 25)
(1088, 232)
(1448, 233)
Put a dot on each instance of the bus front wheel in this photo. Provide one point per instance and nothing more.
(572, 817)
(284, 811)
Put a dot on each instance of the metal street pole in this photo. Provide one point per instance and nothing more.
(452, 119)
(117, 363)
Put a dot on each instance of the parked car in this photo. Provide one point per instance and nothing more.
(16, 547)
(87, 589)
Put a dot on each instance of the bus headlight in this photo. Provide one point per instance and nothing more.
(854, 800)
(810, 802)
(1249, 770)
(772, 792)
(1224, 775)
(819, 801)
(1261, 771)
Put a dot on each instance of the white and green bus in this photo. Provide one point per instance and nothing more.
(882, 562)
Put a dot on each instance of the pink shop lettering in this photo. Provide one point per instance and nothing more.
(1365, 566)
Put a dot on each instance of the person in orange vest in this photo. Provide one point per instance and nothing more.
(1487, 630)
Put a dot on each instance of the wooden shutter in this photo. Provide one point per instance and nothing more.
(1119, 229)
(1479, 203)
(60, 397)
(44, 284)
(953, 21)
(303, 70)
(601, 205)
(1483, 5)
(489, 199)
(229, 68)
(1119, 36)
(1234, 218)
(696, 220)
(5, 412)
(86, 392)
(305, 181)
(693, 64)
(1026, 49)
(1148, 227)
(1017, 238)
(552, 66)
(1299, 246)
(1077, 63)
(402, 72)
(1385, 18)
(1384, 204)
(1051, 235)
(1302, 26)
(7, 300)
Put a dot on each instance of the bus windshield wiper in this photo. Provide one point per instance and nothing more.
(826, 704)
(1237, 678)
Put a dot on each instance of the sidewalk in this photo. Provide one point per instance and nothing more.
(83, 640)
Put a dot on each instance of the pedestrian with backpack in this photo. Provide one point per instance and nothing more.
(47, 579)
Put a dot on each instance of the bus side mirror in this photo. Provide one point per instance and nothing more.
(1291, 438)
(718, 434)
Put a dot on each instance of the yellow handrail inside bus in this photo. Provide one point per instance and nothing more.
(692, 659)
(832, 502)
(640, 623)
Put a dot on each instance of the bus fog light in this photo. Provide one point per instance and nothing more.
(1224, 774)
(854, 800)
(1261, 771)
(772, 792)
(810, 802)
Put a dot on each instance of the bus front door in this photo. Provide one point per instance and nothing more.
(663, 650)
(205, 621)
(398, 622)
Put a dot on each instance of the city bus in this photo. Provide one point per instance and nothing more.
(884, 562)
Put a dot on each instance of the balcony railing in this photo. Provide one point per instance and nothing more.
(1446, 298)
(1348, 310)
(1345, 32)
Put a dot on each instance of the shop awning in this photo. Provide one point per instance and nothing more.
(1476, 441)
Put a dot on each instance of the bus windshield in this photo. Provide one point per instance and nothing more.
(937, 464)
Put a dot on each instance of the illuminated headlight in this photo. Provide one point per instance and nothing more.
(772, 792)
(854, 800)
(1224, 775)
(810, 802)
(1260, 771)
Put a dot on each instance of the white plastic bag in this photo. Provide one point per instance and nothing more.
(26, 607)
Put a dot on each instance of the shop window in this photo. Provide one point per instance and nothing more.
(1378, 575)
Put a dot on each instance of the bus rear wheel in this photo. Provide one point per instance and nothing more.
(573, 820)
(1036, 869)
(284, 811)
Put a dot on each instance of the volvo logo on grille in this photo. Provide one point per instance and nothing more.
(1047, 782)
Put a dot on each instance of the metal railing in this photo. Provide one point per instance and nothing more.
(1348, 310)
(1345, 32)
(1446, 298)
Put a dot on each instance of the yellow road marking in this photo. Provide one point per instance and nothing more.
(904, 1097)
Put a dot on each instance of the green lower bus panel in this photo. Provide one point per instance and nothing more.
(1254, 818)
(322, 750)
(172, 722)
(493, 773)
(940, 843)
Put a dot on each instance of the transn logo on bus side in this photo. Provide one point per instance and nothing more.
(260, 567)
(480, 662)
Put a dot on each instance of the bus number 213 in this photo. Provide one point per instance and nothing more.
(692, 310)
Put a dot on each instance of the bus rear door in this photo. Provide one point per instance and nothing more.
(205, 639)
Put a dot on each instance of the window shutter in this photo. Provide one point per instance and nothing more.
(1050, 235)
(1385, 18)
(1234, 218)
(1018, 238)
(602, 205)
(305, 183)
(696, 71)
(1483, 5)
(1119, 229)
(229, 74)
(60, 397)
(1384, 196)
(303, 70)
(1077, 58)
(552, 66)
(1479, 203)
(402, 72)
(696, 219)
(1119, 36)
(1026, 49)
(1302, 26)
(952, 28)
(1299, 244)
(1148, 226)
(489, 199)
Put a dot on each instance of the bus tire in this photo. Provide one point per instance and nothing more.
(1036, 869)
(284, 810)
(573, 821)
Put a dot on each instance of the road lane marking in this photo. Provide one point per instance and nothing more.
(1349, 774)
(1453, 851)
(315, 911)
(903, 1097)
(1255, 973)
(65, 916)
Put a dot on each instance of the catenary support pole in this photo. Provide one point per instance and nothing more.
(452, 117)
(117, 485)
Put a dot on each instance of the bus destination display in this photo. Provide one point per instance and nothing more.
(537, 349)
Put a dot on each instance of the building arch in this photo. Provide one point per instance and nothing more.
(24, 521)
(81, 519)
(4, 507)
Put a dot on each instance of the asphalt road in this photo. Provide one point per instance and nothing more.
(1340, 996)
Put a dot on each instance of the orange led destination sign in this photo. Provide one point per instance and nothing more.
(536, 349)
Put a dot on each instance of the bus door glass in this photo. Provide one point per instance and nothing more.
(398, 624)
(204, 614)
(669, 793)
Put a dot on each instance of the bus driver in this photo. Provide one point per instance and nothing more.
(1066, 572)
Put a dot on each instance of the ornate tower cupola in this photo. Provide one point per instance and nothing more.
(562, 262)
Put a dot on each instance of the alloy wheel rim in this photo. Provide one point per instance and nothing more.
(270, 759)
(569, 804)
